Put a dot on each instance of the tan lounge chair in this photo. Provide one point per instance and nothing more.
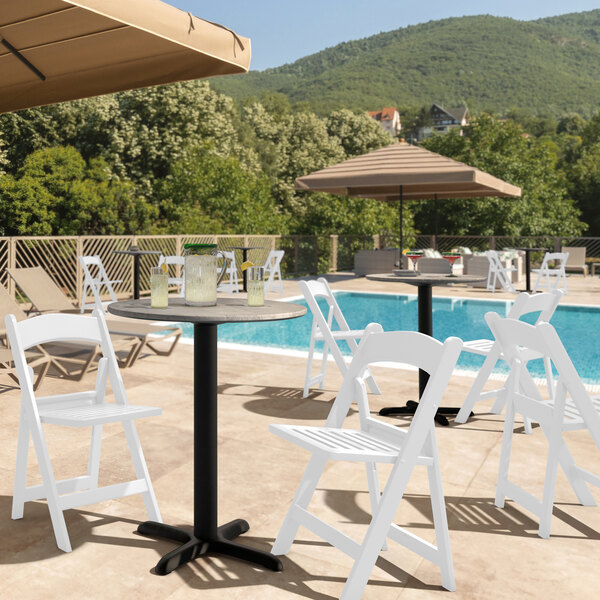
(64, 356)
(576, 260)
(46, 296)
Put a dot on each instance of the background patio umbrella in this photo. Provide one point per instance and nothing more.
(405, 172)
(57, 50)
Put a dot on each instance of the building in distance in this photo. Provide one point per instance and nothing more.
(389, 119)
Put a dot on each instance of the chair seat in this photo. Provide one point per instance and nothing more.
(341, 444)
(342, 335)
(478, 346)
(572, 417)
(95, 414)
(483, 348)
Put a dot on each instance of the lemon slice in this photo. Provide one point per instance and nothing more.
(247, 265)
(165, 268)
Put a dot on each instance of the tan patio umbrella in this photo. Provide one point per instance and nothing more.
(57, 50)
(405, 172)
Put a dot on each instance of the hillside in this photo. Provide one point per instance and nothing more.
(490, 63)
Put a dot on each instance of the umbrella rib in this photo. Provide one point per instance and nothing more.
(36, 17)
(73, 38)
(28, 64)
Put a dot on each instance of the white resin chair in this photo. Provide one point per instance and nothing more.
(570, 408)
(83, 409)
(377, 442)
(498, 273)
(272, 268)
(95, 283)
(322, 331)
(552, 278)
(230, 281)
(178, 281)
(524, 304)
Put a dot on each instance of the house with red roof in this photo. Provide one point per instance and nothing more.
(389, 119)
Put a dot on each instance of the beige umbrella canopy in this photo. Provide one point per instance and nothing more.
(57, 50)
(405, 172)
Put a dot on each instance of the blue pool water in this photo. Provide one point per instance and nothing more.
(464, 318)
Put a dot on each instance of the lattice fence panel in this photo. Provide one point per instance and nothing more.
(56, 255)
(592, 245)
(4, 254)
(119, 267)
(348, 246)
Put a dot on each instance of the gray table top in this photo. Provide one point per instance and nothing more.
(426, 279)
(227, 310)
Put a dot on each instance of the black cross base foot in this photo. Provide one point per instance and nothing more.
(192, 547)
(411, 407)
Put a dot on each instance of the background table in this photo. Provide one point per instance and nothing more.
(207, 536)
(425, 284)
(136, 253)
(528, 264)
(244, 250)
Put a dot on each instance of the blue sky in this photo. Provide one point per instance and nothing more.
(283, 31)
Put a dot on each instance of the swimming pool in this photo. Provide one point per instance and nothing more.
(461, 317)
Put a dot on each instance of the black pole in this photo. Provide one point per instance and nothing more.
(205, 431)
(435, 206)
(136, 276)
(425, 310)
(401, 261)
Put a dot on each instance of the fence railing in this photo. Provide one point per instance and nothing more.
(304, 254)
(57, 255)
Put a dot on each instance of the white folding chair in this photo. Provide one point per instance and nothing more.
(83, 409)
(524, 304)
(95, 283)
(178, 281)
(230, 281)
(498, 273)
(272, 268)
(552, 278)
(377, 442)
(322, 331)
(570, 408)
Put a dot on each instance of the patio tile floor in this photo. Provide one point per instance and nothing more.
(497, 553)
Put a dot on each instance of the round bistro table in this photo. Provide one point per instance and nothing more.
(136, 253)
(424, 284)
(206, 536)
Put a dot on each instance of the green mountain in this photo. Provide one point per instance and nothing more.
(490, 63)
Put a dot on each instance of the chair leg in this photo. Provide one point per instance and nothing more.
(141, 470)
(324, 365)
(306, 489)
(554, 442)
(56, 514)
(440, 519)
(18, 502)
(509, 423)
(374, 490)
(474, 394)
(372, 384)
(94, 459)
(311, 351)
(377, 532)
(169, 350)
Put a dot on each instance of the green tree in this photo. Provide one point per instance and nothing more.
(208, 193)
(584, 185)
(501, 149)
(56, 192)
(358, 133)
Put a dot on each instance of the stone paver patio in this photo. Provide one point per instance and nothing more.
(497, 553)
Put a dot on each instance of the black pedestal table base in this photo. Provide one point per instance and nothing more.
(206, 536)
(192, 547)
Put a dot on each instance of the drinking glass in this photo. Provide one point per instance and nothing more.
(159, 288)
(256, 286)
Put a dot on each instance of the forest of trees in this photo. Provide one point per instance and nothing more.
(184, 158)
